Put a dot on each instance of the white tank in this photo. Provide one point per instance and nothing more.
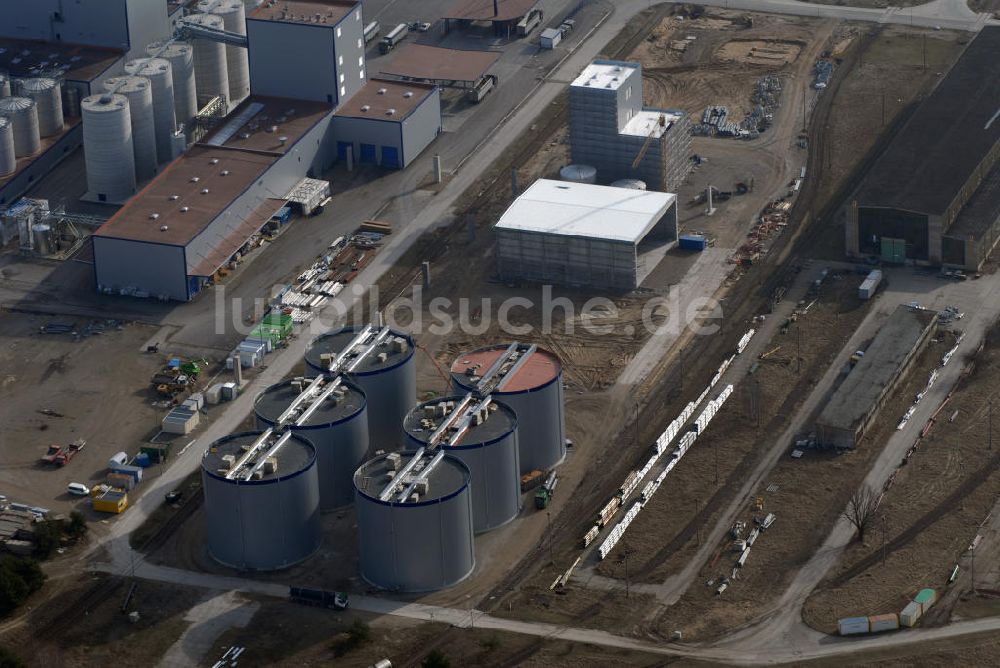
(107, 147)
(23, 116)
(237, 60)
(139, 93)
(8, 163)
(157, 70)
(210, 69)
(578, 174)
(181, 58)
(47, 94)
(4, 85)
(631, 184)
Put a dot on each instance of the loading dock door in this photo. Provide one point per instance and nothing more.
(342, 147)
(367, 154)
(390, 157)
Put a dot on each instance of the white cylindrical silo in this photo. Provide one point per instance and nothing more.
(8, 163)
(210, 69)
(139, 93)
(107, 147)
(23, 116)
(47, 94)
(4, 85)
(157, 70)
(181, 58)
(631, 184)
(237, 60)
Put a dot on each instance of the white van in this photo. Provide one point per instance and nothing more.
(78, 489)
(119, 459)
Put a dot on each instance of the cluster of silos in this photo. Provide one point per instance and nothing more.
(211, 71)
(336, 423)
(415, 536)
(261, 500)
(532, 387)
(180, 56)
(233, 15)
(108, 150)
(387, 375)
(47, 96)
(139, 95)
(22, 114)
(487, 445)
(159, 73)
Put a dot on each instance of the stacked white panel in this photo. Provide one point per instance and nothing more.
(160, 76)
(23, 116)
(107, 147)
(211, 73)
(237, 59)
(139, 93)
(47, 94)
(8, 162)
(181, 58)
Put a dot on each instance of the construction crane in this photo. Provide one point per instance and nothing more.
(659, 127)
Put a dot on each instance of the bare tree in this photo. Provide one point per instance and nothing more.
(861, 509)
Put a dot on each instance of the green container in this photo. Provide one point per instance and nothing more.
(280, 321)
(157, 453)
(925, 597)
(893, 250)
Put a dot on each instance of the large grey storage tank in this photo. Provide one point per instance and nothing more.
(261, 504)
(335, 422)
(180, 55)
(532, 386)
(4, 85)
(237, 60)
(8, 162)
(139, 94)
(47, 94)
(423, 543)
(23, 115)
(387, 375)
(487, 444)
(210, 69)
(107, 148)
(158, 72)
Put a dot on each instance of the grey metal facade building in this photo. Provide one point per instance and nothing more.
(609, 126)
(269, 521)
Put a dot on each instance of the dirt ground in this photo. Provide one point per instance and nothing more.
(931, 515)
(992, 6)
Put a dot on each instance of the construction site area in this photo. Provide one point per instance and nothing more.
(738, 447)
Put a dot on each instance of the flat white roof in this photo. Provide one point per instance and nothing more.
(604, 75)
(645, 122)
(585, 210)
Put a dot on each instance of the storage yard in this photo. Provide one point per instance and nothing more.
(546, 484)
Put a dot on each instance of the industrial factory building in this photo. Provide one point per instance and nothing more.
(856, 403)
(611, 130)
(508, 17)
(933, 196)
(585, 235)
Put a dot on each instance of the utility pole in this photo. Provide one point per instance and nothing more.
(637, 423)
(989, 427)
(548, 525)
(883, 539)
(715, 447)
(798, 349)
(925, 51)
(804, 127)
(883, 108)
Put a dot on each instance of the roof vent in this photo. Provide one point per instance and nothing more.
(154, 216)
(390, 112)
(213, 161)
(282, 139)
(381, 91)
(174, 198)
(408, 93)
(195, 179)
(365, 107)
(204, 191)
(164, 228)
(224, 172)
(184, 209)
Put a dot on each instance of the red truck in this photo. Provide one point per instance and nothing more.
(60, 456)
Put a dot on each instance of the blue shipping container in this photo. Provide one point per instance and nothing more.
(142, 459)
(695, 242)
(133, 471)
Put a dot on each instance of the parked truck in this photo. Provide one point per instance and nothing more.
(544, 494)
(334, 600)
(395, 36)
(477, 93)
(529, 22)
(60, 456)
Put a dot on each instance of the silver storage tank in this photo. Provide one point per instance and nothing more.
(71, 101)
(107, 147)
(158, 72)
(210, 69)
(578, 174)
(534, 390)
(47, 94)
(4, 85)
(337, 426)
(270, 520)
(388, 377)
(488, 447)
(23, 115)
(180, 55)
(139, 93)
(237, 59)
(423, 543)
(8, 162)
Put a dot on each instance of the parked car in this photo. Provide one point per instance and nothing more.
(78, 489)
(174, 496)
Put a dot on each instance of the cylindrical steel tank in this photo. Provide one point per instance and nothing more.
(23, 115)
(388, 377)
(180, 55)
(139, 93)
(47, 94)
(210, 70)
(71, 101)
(338, 428)
(237, 60)
(578, 174)
(631, 184)
(488, 448)
(268, 522)
(534, 390)
(8, 162)
(41, 234)
(415, 545)
(107, 147)
(4, 85)
(157, 71)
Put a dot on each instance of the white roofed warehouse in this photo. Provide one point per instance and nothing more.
(580, 234)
